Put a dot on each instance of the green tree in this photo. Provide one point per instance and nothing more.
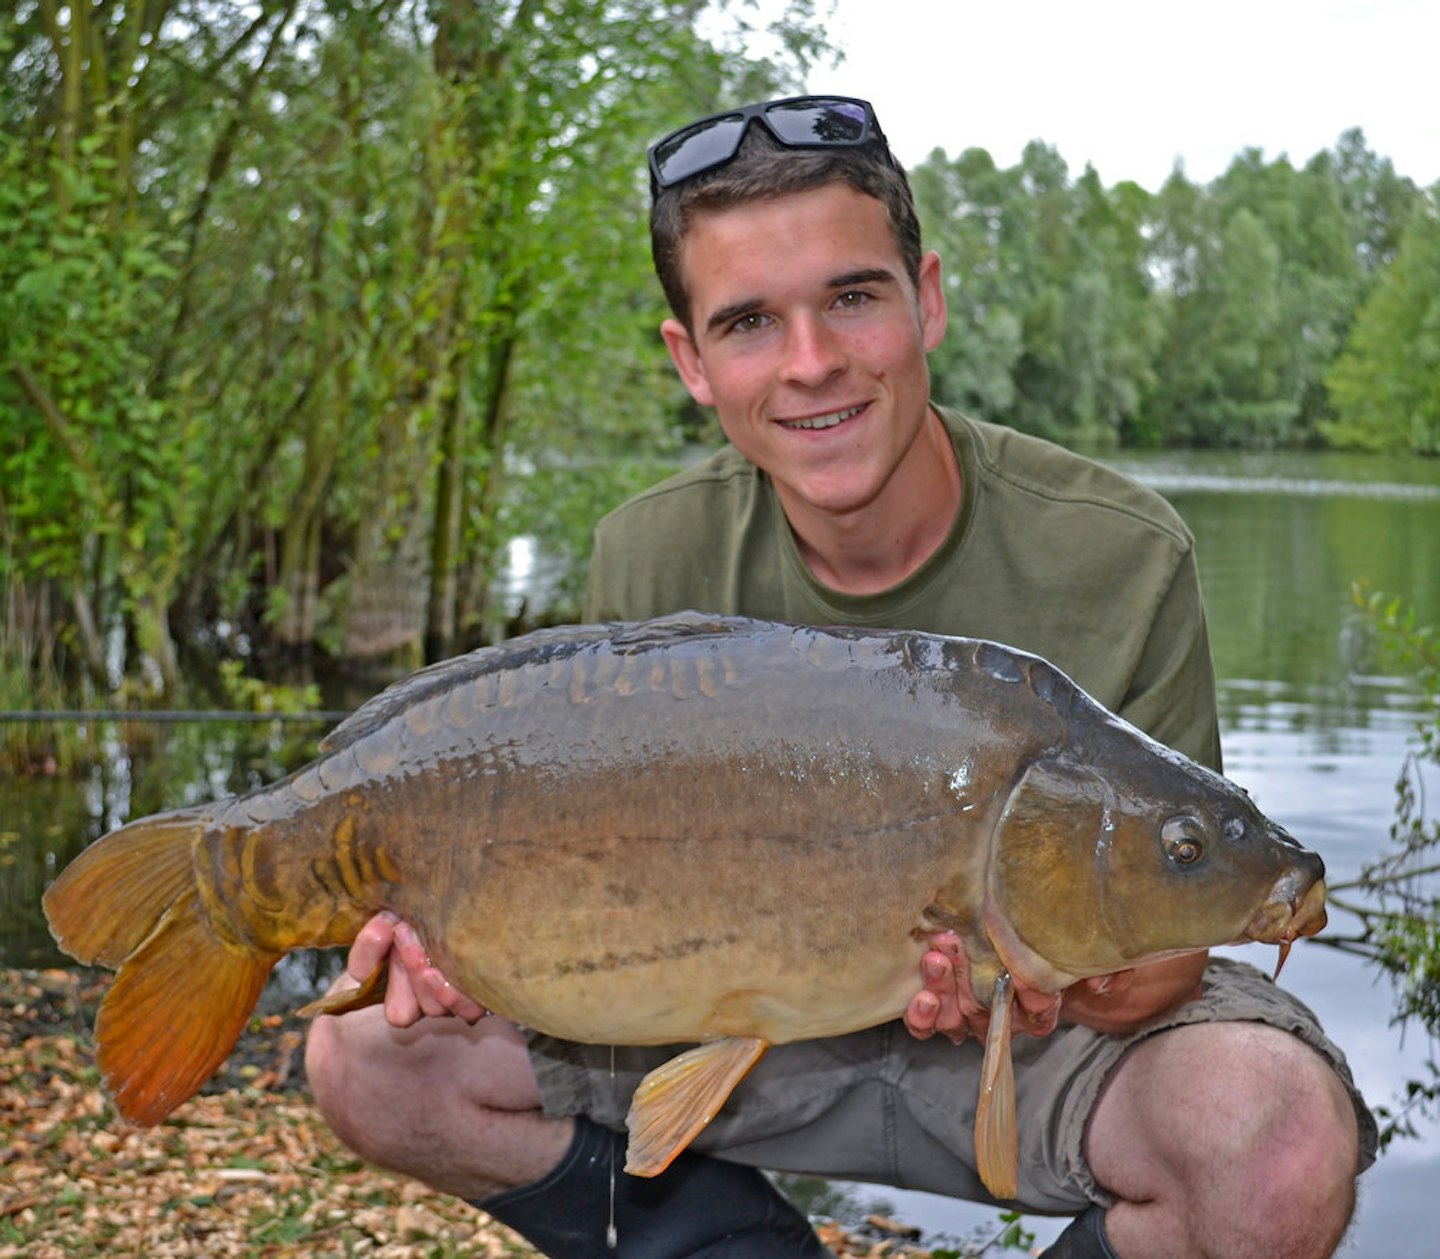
(99, 472)
(1112, 324)
(1386, 383)
(1050, 322)
(967, 210)
(1262, 278)
(293, 285)
(1377, 200)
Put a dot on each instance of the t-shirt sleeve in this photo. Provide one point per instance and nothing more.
(597, 597)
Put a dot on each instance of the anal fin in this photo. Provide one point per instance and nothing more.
(997, 1143)
(677, 1099)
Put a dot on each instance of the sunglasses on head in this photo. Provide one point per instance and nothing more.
(798, 122)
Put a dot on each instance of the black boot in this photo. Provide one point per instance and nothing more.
(1084, 1239)
(698, 1208)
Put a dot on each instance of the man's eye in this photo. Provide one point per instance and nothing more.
(749, 323)
(852, 298)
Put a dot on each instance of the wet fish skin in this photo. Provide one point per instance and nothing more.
(696, 829)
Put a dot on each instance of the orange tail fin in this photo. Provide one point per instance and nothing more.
(184, 992)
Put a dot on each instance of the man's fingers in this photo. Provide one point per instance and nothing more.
(434, 994)
(410, 948)
(415, 987)
(920, 1014)
(440, 996)
(402, 1008)
(370, 945)
(945, 1003)
(1037, 1013)
(946, 972)
(424, 981)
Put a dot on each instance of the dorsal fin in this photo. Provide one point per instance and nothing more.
(538, 647)
(1046, 682)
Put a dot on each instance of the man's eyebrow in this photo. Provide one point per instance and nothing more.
(871, 275)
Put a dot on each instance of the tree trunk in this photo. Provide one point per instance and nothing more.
(445, 532)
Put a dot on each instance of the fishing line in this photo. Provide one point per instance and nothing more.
(612, 1234)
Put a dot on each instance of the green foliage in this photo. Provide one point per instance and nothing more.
(1397, 897)
(254, 695)
(869, 1218)
(1012, 1235)
(1386, 385)
(298, 292)
(1191, 316)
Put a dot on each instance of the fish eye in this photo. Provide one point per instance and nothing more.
(1183, 840)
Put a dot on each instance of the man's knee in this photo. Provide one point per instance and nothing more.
(1236, 1130)
(1305, 1150)
(1292, 1113)
(1293, 1165)
(1229, 1083)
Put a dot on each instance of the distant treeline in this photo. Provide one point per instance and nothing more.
(1275, 306)
(309, 307)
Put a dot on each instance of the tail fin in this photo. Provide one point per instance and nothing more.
(184, 992)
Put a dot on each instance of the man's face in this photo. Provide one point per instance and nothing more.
(810, 341)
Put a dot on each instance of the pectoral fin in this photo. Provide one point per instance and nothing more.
(677, 1099)
(997, 1145)
(370, 992)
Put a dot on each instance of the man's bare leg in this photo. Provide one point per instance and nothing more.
(1225, 1139)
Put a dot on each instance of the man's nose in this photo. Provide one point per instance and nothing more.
(813, 352)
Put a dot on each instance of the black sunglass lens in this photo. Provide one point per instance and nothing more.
(698, 148)
(818, 122)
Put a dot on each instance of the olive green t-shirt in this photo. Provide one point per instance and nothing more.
(1051, 552)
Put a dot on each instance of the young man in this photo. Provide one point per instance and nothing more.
(1189, 1108)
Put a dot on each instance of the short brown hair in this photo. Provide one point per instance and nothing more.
(763, 169)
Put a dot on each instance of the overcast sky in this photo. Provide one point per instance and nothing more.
(1133, 85)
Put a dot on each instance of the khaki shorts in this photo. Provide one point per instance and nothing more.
(881, 1106)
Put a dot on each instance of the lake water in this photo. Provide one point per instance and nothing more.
(1316, 730)
(1314, 727)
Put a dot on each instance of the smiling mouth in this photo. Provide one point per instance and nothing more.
(823, 421)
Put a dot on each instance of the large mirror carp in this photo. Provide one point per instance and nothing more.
(696, 829)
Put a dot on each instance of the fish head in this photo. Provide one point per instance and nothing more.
(1100, 867)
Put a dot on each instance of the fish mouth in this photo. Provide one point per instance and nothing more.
(1294, 908)
(829, 420)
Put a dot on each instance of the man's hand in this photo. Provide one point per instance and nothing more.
(1105, 1003)
(1119, 1003)
(415, 986)
(947, 1004)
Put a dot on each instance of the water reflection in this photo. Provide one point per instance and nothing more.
(134, 768)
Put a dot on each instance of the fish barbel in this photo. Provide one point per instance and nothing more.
(698, 829)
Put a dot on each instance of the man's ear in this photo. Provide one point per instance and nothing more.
(687, 361)
(933, 312)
